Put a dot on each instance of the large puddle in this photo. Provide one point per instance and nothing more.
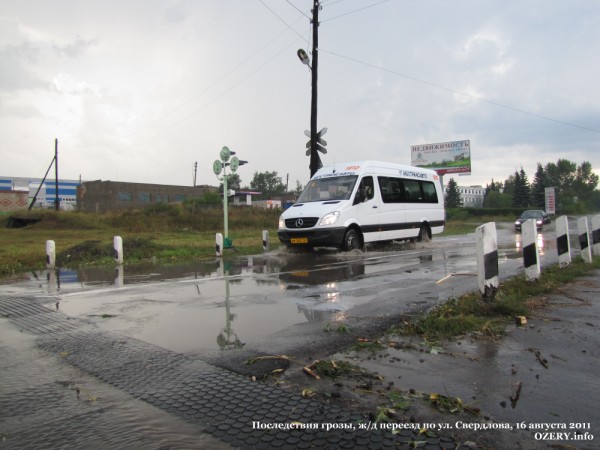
(223, 304)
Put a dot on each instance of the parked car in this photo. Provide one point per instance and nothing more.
(541, 218)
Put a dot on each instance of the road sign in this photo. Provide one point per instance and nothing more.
(320, 144)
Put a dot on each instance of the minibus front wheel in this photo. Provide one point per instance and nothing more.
(352, 240)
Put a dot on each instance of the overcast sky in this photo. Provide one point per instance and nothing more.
(140, 90)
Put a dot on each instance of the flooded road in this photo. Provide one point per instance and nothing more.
(287, 303)
(224, 304)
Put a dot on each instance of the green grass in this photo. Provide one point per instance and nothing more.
(464, 224)
(470, 314)
(161, 233)
(168, 234)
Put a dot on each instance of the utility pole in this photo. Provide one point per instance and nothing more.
(314, 156)
(195, 171)
(56, 199)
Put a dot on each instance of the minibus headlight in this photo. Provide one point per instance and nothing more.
(281, 222)
(330, 219)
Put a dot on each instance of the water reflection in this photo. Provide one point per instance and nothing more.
(222, 305)
(227, 338)
(301, 277)
(539, 240)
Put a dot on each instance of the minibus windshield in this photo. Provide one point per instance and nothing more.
(330, 188)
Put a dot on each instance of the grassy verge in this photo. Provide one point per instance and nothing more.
(469, 314)
(158, 234)
(162, 235)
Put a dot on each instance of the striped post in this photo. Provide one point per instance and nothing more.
(596, 235)
(265, 239)
(50, 254)
(118, 249)
(531, 259)
(563, 243)
(486, 249)
(584, 241)
(219, 244)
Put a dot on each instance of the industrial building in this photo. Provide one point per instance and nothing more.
(46, 193)
(102, 196)
(17, 193)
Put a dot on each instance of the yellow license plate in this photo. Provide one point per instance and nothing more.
(300, 274)
(299, 241)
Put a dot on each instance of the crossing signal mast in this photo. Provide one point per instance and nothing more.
(316, 143)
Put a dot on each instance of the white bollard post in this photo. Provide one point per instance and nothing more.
(563, 242)
(584, 242)
(596, 234)
(219, 244)
(265, 239)
(119, 276)
(50, 254)
(53, 281)
(531, 259)
(486, 249)
(118, 249)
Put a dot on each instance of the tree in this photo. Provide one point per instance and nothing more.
(494, 186)
(298, 190)
(509, 185)
(268, 183)
(538, 188)
(233, 182)
(561, 175)
(521, 190)
(574, 185)
(496, 199)
(453, 198)
(585, 180)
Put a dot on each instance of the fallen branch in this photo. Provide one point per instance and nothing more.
(516, 393)
(310, 372)
(538, 355)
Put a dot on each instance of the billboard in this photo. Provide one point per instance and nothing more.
(443, 157)
(550, 197)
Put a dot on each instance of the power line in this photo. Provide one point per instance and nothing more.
(209, 87)
(283, 21)
(223, 94)
(354, 11)
(454, 91)
(296, 8)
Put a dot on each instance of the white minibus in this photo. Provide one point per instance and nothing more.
(350, 204)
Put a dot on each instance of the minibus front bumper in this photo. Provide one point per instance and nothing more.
(321, 237)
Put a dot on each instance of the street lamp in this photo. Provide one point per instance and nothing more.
(220, 170)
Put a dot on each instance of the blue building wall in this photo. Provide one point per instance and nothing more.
(67, 190)
(6, 185)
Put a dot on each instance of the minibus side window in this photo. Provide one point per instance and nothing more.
(429, 193)
(366, 190)
(412, 191)
(391, 189)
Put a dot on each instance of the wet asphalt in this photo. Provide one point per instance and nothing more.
(67, 383)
